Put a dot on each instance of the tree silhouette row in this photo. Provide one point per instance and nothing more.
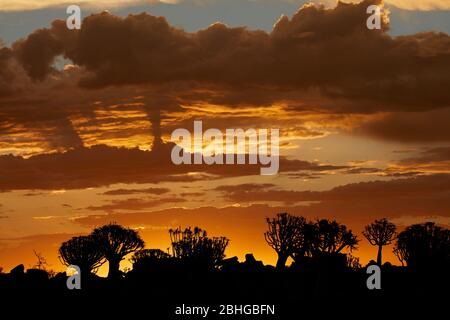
(110, 243)
(419, 246)
(190, 247)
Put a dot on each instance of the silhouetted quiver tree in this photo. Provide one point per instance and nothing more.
(285, 236)
(195, 248)
(305, 239)
(331, 237)
(115, 242)
(401, 250)
(83, 252)
(380, 233)
(424, 246)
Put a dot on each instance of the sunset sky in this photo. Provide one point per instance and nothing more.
(86, 118)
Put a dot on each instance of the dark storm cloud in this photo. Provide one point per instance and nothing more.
(6, 74)
(35, 58)
(431, 126)
(327, 50)
(429, 155)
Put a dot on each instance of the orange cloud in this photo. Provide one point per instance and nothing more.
(422, 195)
(102, 166)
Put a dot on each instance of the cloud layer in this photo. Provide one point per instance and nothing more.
(320, 60)
(22, 5)
(418, 196)
(421, 4)
(330, 51)
(16, 5)
(103, 166)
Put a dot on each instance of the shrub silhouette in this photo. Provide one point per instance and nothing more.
(353, 262)
(83, 252)
(150, 260)
(380, 233)
(285, 236)
(149, 254)
(115, 242)
(41, 262)
(194, 248)
(424, 246)
(331, 238)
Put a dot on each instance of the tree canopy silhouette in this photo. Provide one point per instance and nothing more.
(83, 252)
(380, 233)
(306, 239)
(331, 237)
(115, 242)
(197, 249)
(424, 246)
(285, 236)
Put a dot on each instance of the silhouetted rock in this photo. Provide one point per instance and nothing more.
(252, 263)
(371, 263)
(250, 258)
(37, 278)
(230, 264)
(18, 270)
(37, 274)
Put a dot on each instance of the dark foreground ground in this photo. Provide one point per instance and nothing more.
(293, 293)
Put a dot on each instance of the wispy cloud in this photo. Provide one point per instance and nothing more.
(45, 217)
(18, 5)
(421, 4)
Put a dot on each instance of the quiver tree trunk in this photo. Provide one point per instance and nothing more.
(282, 259)
(114, 271)
(379, 255)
